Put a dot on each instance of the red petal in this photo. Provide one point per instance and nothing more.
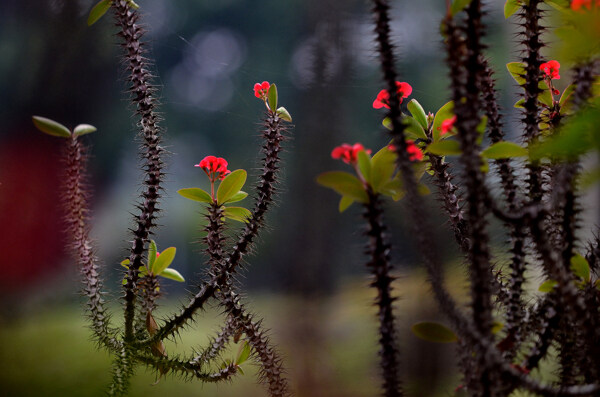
(404, 89)
(337, 152)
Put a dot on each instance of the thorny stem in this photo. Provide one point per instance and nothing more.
(378, 250)
(271, 367)
(273, 136)
(142, 95)
(77, 221)
(429, 253)
(189, 368)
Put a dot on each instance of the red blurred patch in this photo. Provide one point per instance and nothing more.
(32, 230)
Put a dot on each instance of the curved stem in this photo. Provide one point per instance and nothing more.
(271, 367)
(273, 136)
(77, 225)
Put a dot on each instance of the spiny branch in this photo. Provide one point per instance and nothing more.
(378, 249)
(77, 224)
(142, 96)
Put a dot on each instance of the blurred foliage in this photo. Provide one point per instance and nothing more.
(47, 349)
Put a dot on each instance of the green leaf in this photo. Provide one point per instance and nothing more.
(51, 127)
(520, 103)
(510, 7)
(433, 332)
(163, 261)
(83, 129)
(283, 114)
(417, 112)
(239, 196)
(517, 71)
(580, 267)
(481, 129)
(548, 286)
(444, 148)
(504, 150)
(393, 188)
(383, 166)
(98, 11)
(419, 169)
(125, 263)
(272, 97)
(575, 138)
(560, 5)
(345, 184)
(345, 202)
(444, 113)
(231, 185)
(485, 166)
(545, 96)
(196, 194)
(364, 164)
(239, 214)
(172, 274)
(152, 250)
(496, 327)
(566, 94)
(459, 5)
(133, 4)
(413, 127)
(243, 354)
(387, 123)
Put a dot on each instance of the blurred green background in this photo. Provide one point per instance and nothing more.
(307, 277)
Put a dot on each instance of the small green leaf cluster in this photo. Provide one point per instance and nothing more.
(55, 128)
(377, 173)
(229, 191)
(416, 125)
(158, 264)
(574, 138)
(271, 101)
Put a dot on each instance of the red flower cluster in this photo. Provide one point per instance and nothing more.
(576, 5)
(447, 125)
(348, 153)
(261, 90)
(414, 153)
(382, 100)
(215, 167)
(551, 69)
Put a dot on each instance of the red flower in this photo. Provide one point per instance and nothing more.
(261, 89)
(551, 68)
(382, 100)
(447, 125)
(348, 153)
(414, 153)
(576, 5)
(215, 167)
